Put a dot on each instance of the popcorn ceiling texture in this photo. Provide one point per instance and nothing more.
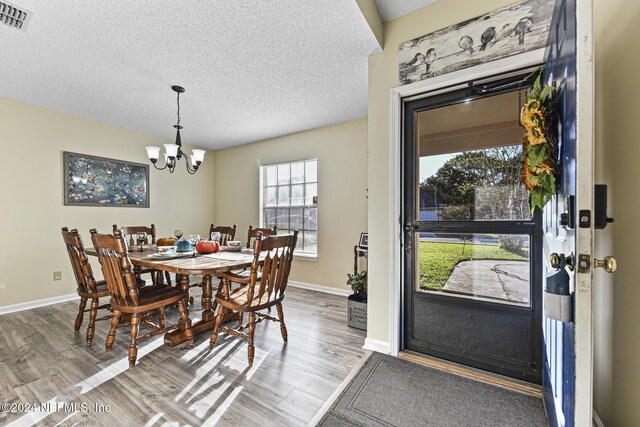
(391, 9)
(251, 69)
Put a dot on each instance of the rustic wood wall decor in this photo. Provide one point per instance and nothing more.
(506, 32)
(98, 181)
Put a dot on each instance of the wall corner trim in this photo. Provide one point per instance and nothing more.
(377, 345)
(37, 303)
(596, 420)
(320, 288)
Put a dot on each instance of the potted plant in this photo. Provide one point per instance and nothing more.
(357, 302)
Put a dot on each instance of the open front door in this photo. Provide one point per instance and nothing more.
(568, 218)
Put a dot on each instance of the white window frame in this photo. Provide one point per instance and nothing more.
(300, 254)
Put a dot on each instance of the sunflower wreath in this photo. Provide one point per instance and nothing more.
(540, 168)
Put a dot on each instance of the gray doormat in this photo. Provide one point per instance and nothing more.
(388, 391)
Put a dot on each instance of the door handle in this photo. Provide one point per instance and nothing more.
(561, 261)
(609, 263)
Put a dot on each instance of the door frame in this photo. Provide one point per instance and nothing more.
(428, 87)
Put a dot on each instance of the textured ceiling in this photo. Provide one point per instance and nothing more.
(251, 69)
(391, 9)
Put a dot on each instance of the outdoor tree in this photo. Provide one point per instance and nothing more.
(481, 185)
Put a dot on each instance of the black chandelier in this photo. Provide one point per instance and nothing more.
(173, 152)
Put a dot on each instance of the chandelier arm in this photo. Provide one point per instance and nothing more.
(187, 161)
(162, 168)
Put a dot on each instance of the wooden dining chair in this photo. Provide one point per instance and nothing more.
(88, 287)
(127, 298)
(226, 233)
(275, 253)
(265, 232)
(129, 233)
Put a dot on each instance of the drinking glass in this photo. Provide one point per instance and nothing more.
(142, 237)
(178, 234)
(194, 239)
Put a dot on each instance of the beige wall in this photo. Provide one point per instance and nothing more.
(383, 75)
(341, 151)
(617, 296)
(32, 212)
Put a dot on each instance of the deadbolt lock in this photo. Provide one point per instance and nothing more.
(609, 263)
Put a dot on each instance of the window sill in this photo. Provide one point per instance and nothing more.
(305, 256)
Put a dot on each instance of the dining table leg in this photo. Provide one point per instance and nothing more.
(178, 336)
(207, 298)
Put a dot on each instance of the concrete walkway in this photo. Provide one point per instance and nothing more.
(491, 279)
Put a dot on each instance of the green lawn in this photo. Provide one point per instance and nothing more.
(437, 259)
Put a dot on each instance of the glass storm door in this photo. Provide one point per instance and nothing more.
(472, 250)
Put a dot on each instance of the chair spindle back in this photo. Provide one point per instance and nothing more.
(116, 267)
(79, 262)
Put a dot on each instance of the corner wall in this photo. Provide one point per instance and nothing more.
(383, 75)
(341, 151)
(31, 194)
(617, 296)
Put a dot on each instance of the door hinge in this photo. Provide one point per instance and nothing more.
(584, 263)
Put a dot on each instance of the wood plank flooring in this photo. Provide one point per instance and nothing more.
(43, 360)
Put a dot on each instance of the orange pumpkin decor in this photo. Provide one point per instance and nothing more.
(207, 247)
(166, 241)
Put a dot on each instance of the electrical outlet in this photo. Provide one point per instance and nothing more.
(57, 275)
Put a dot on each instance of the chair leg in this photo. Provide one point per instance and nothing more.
(252, 328)
(216, 327)
(91, 329)
(161, 318)
(133, 347)
(182, 308)
(112, 332)
(283, 327)
(167, 275)
(80, 316)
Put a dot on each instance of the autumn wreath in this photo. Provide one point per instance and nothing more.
(540, 144)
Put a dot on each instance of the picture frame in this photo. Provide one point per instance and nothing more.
(100, 181)
(364, 241)
(512, 30)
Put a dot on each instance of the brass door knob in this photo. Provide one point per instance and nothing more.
(609, 263)
(555, 260)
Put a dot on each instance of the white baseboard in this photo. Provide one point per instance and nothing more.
(377, 345)
(319, 288)
(596, 420)
(37, 303)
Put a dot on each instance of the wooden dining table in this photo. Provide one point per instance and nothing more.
(205, 266)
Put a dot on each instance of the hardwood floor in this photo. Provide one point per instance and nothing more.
(43, 360)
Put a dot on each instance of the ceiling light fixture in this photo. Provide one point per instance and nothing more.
(173, 152)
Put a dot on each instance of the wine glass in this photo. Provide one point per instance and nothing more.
(141, 237)
(194, 239)
(178, 234)
(215, 236)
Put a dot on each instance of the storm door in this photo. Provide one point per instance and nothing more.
(472, 250)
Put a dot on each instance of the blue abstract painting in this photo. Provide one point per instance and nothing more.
(97, 181)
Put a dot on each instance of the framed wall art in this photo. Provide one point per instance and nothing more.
(364, 241)
(513, 30)
(99, 181)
